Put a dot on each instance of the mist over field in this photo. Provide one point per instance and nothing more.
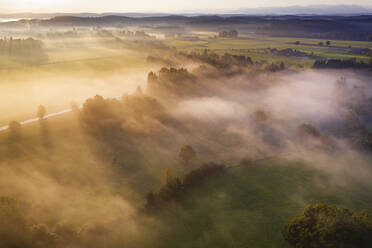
(185, 131)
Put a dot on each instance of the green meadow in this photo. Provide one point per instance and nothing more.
(258, 48)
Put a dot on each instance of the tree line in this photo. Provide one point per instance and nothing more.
(23, 50)
(175, 188)
(341, 64)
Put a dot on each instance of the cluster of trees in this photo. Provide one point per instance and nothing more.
(180, 82)
(328, 43)
(98, 116)
(100, 32)
(341, 64)
(62, 35)
(226, 61)
(175, 188)
(273, 67)
(103, 33)
(135, 34)
(19, 229)
(175, 75)
(16, 230)
(354, 124)
(23, 50)
(228, 33)
(322, 225)
(212, 65)
(171, 81)
(289, 52)
(107, 118)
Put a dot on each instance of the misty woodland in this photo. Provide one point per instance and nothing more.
(186, 131)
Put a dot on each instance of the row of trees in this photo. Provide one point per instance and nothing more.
(328, 43)
(19, 230)
(341, 64)
(175, 188)
(172, 81)
(228, 33)
(180, 82)
(135, 34)
(23, 50)
(225, 61)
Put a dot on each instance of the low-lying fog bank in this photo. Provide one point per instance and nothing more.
(81, 181)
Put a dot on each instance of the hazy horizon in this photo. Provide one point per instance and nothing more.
(164, 6)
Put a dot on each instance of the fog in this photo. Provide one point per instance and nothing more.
(83, 173)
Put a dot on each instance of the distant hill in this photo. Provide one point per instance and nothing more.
(307, 10)
(74, 20)
(109, 20)
(87, 14)
(290, 10)
(333, 27)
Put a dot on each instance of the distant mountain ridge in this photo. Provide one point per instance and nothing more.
(330, 22)
(308, 10)
(289, 10)
(87, 14)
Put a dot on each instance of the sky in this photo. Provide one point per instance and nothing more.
(99, 6)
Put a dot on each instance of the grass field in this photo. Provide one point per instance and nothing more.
(249, 206)
(71, 74)
(258, 48)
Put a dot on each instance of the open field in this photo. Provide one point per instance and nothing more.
(258, 48)
(253, 204)
(70, 75)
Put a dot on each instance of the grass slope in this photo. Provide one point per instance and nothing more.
(249, 206)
